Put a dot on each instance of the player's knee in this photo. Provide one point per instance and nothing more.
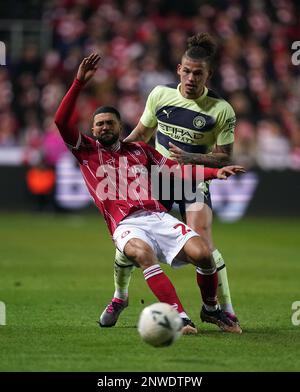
(205, 256)
(206, 252)
(202, 256)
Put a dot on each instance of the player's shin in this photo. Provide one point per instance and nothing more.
(162, 288)
(207, 279)
(123, 269)
(223, 286)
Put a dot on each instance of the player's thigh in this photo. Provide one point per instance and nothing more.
(196, 251)
(170, 236)
(135, 244)
(199, 217)
(197, 247)
(140, 252)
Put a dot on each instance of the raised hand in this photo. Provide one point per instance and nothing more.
(228, 171)
(88, 67)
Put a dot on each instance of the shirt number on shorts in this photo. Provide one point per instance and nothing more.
(184, 229)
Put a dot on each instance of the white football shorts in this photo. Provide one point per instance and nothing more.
(165, 234)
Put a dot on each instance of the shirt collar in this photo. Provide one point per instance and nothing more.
(113, 148)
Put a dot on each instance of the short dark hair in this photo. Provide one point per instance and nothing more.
(202, 47)
(107, 109)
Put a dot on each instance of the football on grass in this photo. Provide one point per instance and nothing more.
(160, 325)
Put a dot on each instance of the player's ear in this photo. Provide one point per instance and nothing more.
(178, 68)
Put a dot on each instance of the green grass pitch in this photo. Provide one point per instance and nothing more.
(56, 277)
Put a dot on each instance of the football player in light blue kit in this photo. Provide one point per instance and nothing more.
(193, 125)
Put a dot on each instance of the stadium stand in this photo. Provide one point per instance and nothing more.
(141, 43)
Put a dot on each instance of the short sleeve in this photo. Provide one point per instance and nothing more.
(148, 118)
(226, 124)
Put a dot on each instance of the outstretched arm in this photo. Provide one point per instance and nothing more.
(208, 173)
(195, 173)
(228, 171)
(63, 116)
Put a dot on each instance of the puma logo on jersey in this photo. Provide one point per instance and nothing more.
(167, 113)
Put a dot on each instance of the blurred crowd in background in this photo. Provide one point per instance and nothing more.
(141, 43)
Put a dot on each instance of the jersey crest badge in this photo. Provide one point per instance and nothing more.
(199, 122)
(125, 233)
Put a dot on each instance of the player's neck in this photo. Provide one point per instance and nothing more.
(192, 96)
(113, 147)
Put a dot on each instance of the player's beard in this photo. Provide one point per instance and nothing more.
(108, 141)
